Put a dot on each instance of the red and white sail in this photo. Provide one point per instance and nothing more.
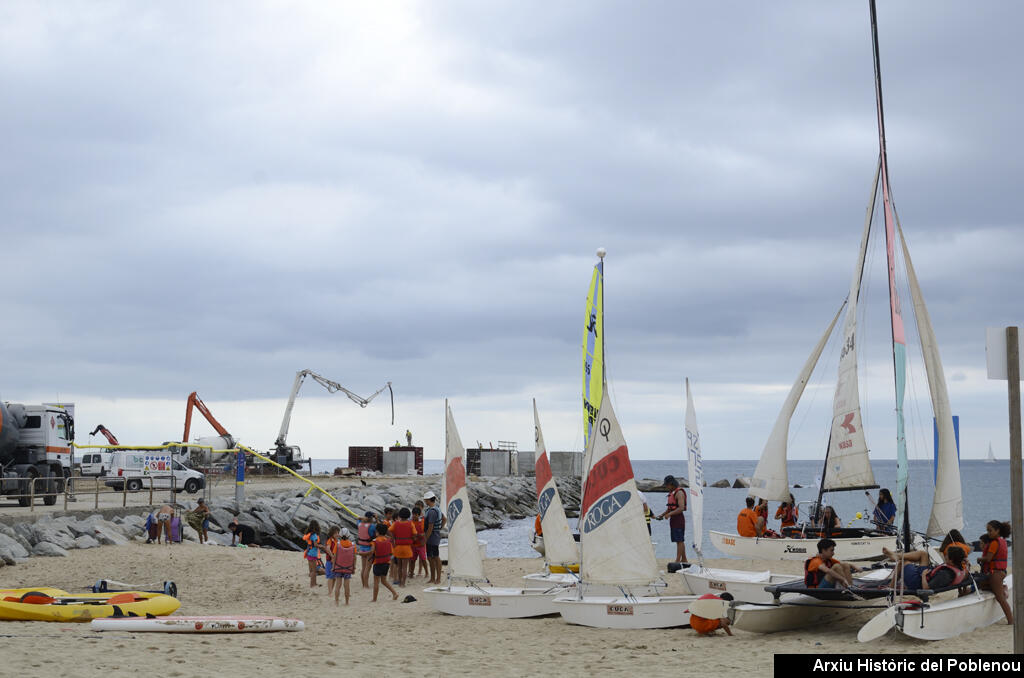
(463, 553)
(616, 546)
(559, 546)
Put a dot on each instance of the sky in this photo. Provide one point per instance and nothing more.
(211, 197)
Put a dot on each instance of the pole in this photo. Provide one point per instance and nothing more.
(240, 476)
(1016, 489)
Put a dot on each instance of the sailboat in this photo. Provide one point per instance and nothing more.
(468, 592)
(991, 459)
(618, 567)
(919, 618)
(561, 552)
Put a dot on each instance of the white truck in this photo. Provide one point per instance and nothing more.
(139, 470)
(35, 449)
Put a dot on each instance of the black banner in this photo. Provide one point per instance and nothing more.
(962, 665)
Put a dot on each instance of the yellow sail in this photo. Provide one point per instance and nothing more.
(593, 351)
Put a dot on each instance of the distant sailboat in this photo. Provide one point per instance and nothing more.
(991, 457)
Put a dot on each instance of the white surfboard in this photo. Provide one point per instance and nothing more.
(183, 624)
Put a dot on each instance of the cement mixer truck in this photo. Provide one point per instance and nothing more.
(35, 449)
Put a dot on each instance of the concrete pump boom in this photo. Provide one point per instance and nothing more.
(332, 387)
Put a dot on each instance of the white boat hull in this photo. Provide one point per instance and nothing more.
(183, 624)
(494, 602)
(442, 549)
(786, 548)
(742, 585)
(951, 618)
(618, 612)
(801, 612)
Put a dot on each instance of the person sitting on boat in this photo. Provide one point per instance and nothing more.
(748, 524)
(993, 563)
(787, 512)
(955, 539)
(829, 521)
(825, 571)
(885, 511)
(915, 571)
(675, 505)
(707, 627)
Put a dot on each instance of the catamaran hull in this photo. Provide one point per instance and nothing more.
(950, 618)
(765, 548)
(800, 612)
(742, 585)
(618, 612)
(494, 602)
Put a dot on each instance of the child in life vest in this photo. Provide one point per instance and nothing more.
(419, 543)
(993, 563)
(382, 551)
(344, 563)
(312, 551)
(367, 530)
(332, 542)
(707, 627)
(403, 531)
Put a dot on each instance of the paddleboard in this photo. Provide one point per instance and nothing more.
(183, 624)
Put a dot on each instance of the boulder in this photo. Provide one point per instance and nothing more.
(721, 483)
(741, 483)
(108, 535)
(86, 542)
(45, 548)
(54, 533)
(14, 547)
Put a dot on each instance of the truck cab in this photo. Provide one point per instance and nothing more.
(36, 449)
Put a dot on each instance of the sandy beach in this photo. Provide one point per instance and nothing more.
(367, 637)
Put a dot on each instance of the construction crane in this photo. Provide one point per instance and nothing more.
(223, 441)
(291, 455)
(106, 434)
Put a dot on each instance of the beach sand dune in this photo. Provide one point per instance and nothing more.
(367, 638)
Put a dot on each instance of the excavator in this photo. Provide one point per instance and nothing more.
(291, 455)
(111, 438)
(222, 441)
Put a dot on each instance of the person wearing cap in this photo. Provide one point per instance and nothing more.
(344, 563)
(364, 545)
(434, 520)
(676, 504)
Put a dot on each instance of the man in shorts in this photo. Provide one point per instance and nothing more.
(163, 518)
(433, 522)
(676, 520)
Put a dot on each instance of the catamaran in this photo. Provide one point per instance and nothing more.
(921, 618)
(468, 592)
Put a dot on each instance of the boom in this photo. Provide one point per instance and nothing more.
(106, 434)
(195, 401)
(332, 387)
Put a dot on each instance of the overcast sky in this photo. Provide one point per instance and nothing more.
(213, 196)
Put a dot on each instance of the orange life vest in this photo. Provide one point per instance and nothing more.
(787, 514)
(312, 540)
(332, 543)
(536, 526)
(382, 550)
(746, 523)
(998, 562)
(812, 575)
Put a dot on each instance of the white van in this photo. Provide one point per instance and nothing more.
(95, 463)
(135, 470)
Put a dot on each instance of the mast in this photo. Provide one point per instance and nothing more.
(899, 348)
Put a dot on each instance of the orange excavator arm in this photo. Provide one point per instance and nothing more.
(106, 434)
(194, 401)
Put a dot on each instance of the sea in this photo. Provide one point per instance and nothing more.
(986, 493)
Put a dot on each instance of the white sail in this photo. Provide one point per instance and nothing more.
(771, 478)
(696, 469)
(991, 456)
(559, 546)
(848, 464)
(616, 547)
(947, 505)
(463, 553)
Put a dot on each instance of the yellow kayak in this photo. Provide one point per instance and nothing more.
(49, 604)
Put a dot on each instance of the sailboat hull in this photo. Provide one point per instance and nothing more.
(494, 602)
(858, 548)
(797, 611)
(619, 612)
(442, 549)
(951, 618)
(742, 585)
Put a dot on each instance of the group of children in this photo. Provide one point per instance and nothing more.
(391, 544)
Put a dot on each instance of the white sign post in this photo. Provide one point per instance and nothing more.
(1003, 351)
